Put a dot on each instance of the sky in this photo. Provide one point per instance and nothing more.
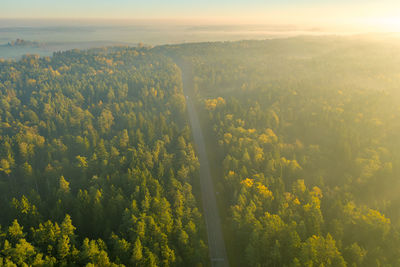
(370, 13)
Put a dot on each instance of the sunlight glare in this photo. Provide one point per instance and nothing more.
(390, 24)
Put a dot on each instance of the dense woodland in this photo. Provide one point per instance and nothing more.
(97, 164)
(98, 168)
(308, 148)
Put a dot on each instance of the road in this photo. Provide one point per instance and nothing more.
(216, 244)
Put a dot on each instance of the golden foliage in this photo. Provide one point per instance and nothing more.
(212, 104)
(247, 182)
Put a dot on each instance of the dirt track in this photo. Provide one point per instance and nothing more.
(216, 242)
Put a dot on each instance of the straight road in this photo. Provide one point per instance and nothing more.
(216, 242)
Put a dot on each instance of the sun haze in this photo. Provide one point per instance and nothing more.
(200, 133)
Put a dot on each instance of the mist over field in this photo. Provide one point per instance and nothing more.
(59, 35)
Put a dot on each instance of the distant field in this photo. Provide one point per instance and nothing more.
(59, 38)
(16, 52)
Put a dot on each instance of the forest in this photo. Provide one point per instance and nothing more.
(304, 136)
(97, 162)
(98, 166)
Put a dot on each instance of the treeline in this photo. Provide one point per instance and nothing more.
(96, 162)
(306, 130)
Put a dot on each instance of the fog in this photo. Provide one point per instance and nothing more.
(57, 35)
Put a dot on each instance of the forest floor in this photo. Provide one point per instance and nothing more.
(216, 244)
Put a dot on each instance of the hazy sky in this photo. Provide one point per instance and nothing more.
(312, 12)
